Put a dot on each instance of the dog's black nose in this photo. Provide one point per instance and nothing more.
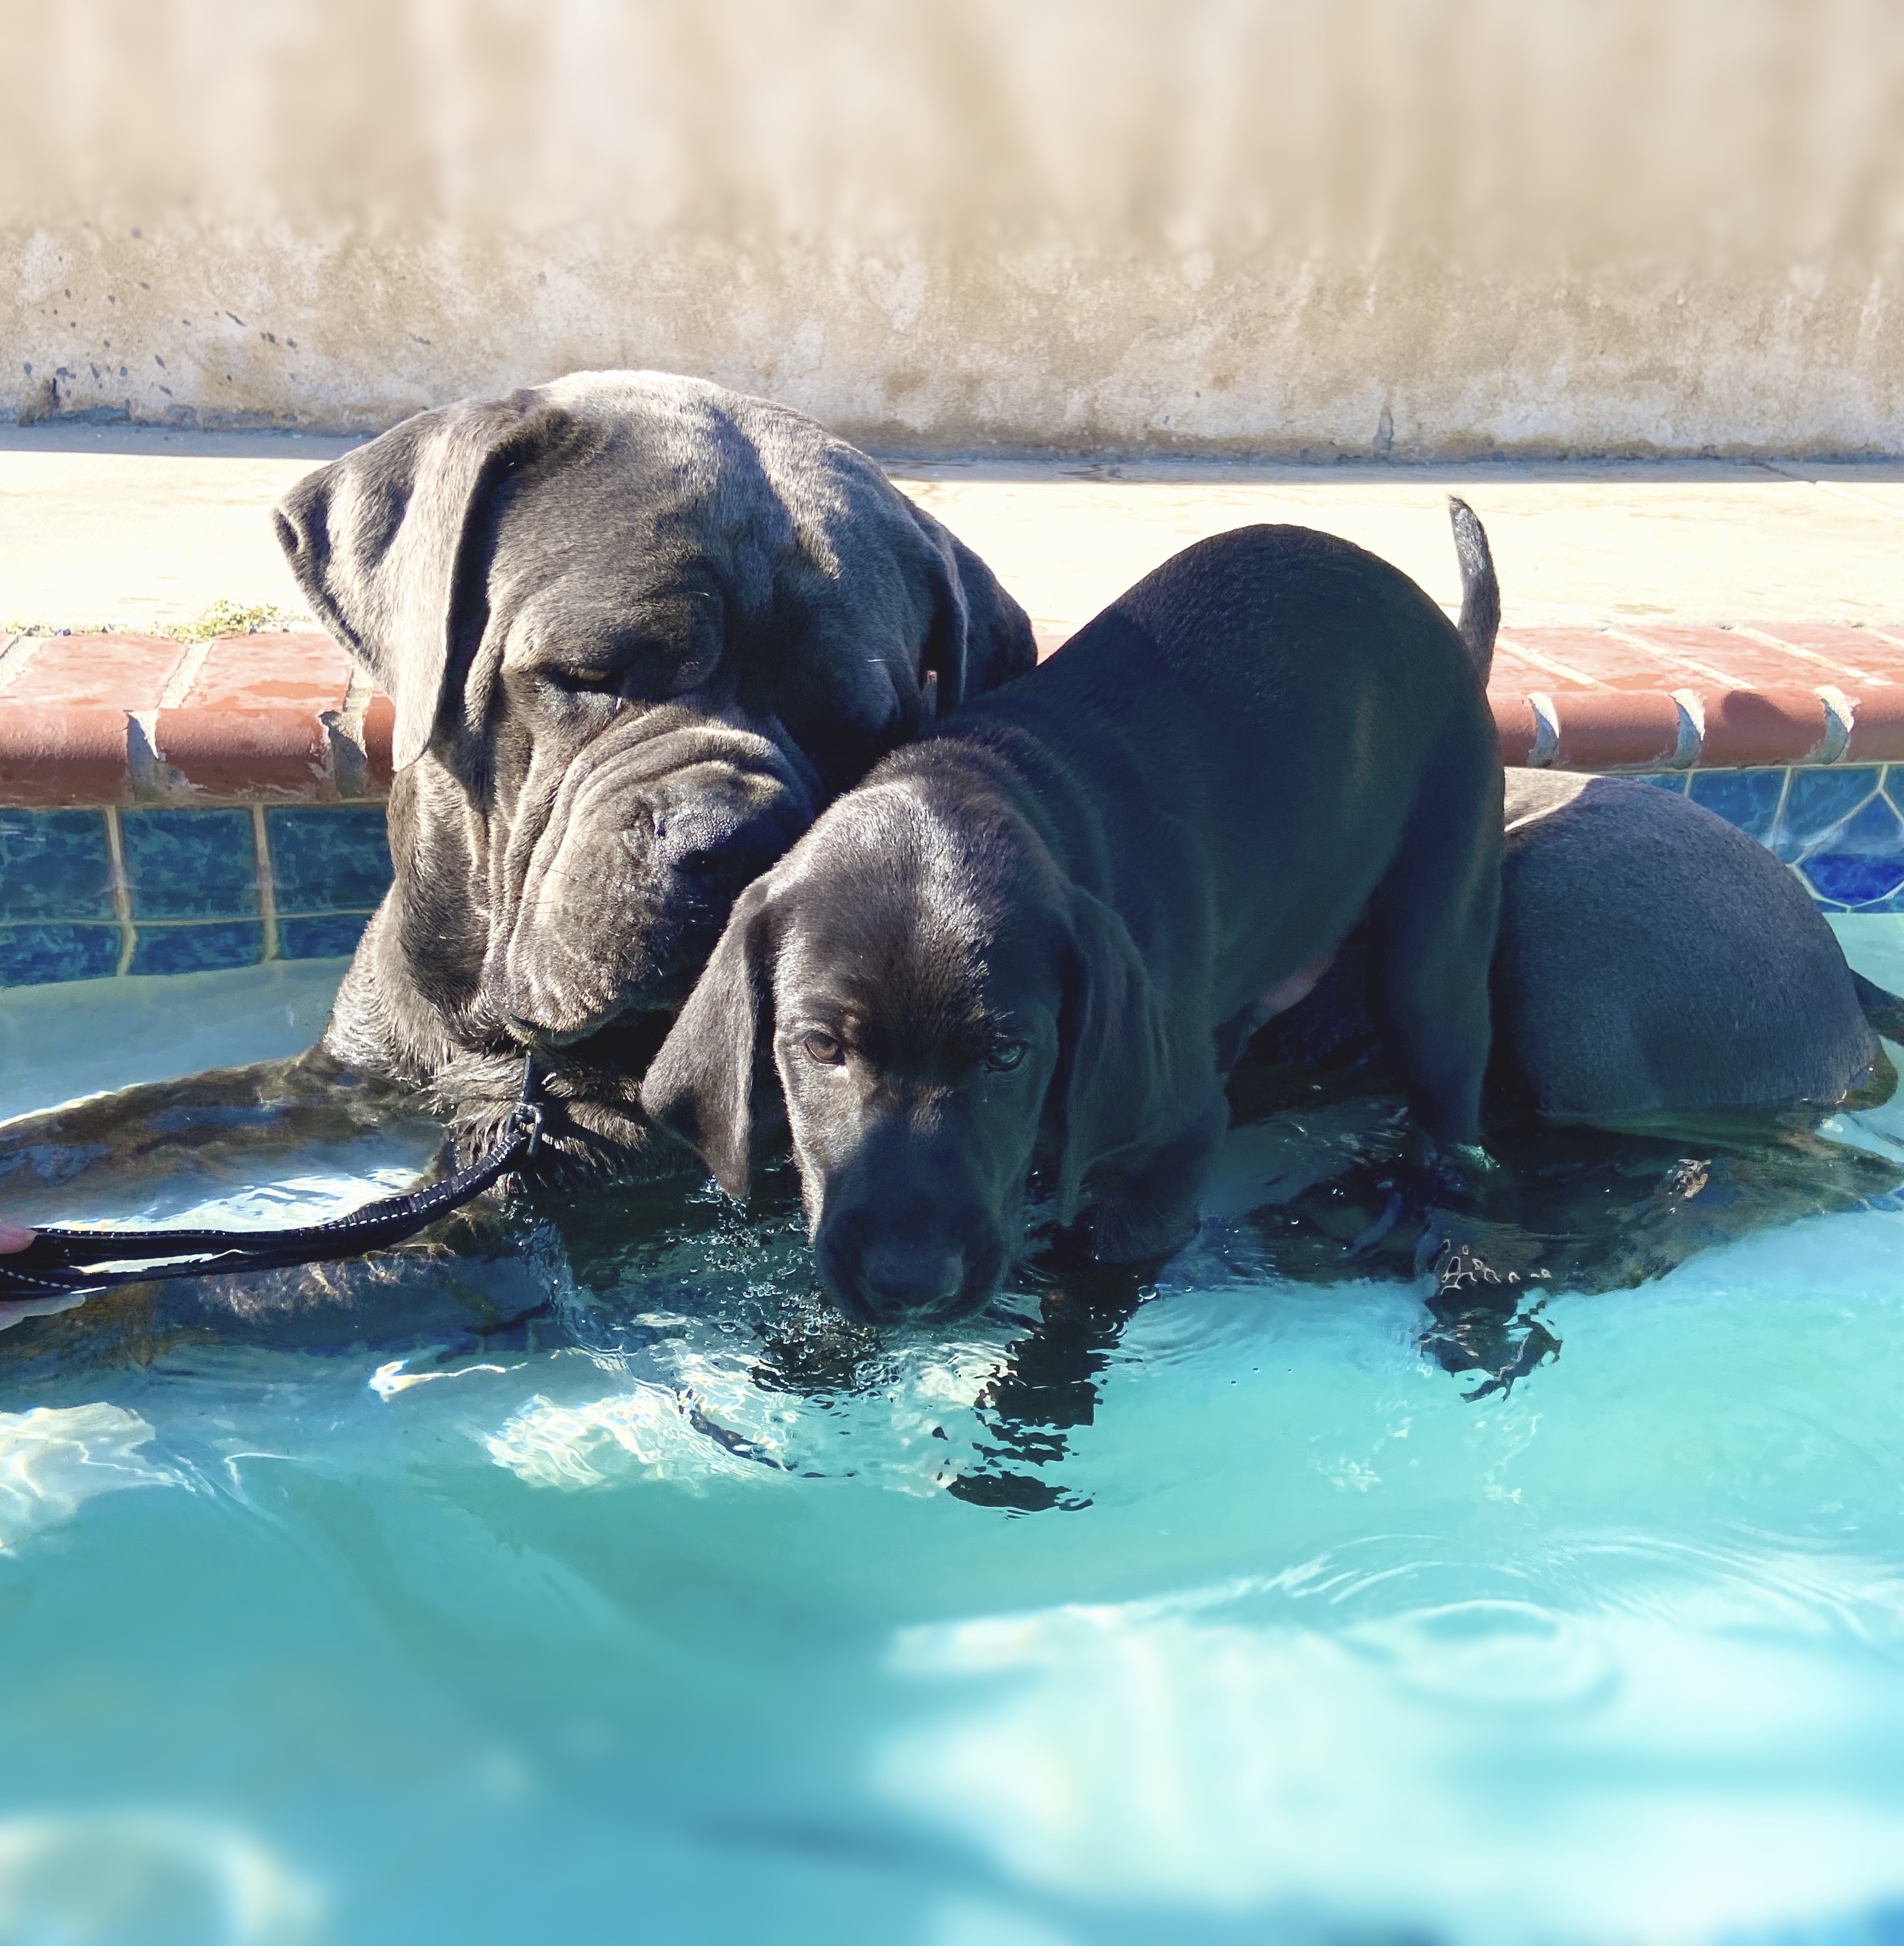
(897, 1277)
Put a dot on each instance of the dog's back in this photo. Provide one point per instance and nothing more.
(1265, 642)
(1282, 694)
(1289, 590)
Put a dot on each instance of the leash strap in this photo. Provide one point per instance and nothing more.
(63, 1260)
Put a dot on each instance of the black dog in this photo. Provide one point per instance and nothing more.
(1043, 933)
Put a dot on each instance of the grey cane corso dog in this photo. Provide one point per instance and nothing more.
(1654, 958)
(1041, 934)
(1673, 1019)
(637, 630)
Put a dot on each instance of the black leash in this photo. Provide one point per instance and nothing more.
(63, 1260)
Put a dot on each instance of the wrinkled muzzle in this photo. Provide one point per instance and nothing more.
(610, 901)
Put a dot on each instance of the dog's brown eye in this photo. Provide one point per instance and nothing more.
(822, 1048)
(1004, 1056)
(593, 681)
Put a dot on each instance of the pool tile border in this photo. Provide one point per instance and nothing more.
(1842, 831)
(84, 895)
(166, 806)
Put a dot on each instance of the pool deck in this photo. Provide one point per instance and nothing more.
(1680, 616)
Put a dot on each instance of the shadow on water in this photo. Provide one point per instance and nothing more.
(1311, 1189)
(1580, 1208)
(1048, 1384)
(1317, 1193)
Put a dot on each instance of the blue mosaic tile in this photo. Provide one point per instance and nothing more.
(197, 949)
(326, 936)
(32, 956)
(1866, 859)
(191, 864)
(328, 860)
(55, 864)
(1747, 799)
(1671, 780)
(1817, 801)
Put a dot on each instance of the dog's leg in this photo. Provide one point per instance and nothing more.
(1150, 1213)
(1432, 925)
(175, 1142)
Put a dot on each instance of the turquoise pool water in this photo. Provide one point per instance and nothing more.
(620, 1627)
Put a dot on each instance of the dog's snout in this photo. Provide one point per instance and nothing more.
(716, 839)
(897, 1258)
(897, 1278)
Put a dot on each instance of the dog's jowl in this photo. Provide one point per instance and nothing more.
(1036, 940)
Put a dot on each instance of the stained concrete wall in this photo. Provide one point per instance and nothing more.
(1278, 227)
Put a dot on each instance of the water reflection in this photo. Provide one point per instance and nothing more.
(710, 1350)
(152, 1877)
(1314, 1189)
(1219, 1753)
(53, 1459)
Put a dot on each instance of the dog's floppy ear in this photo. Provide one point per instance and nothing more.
(378, 541)
(1111, 1058)
(942, 664)
(999, 645)
(980, 636)
(700, 1086)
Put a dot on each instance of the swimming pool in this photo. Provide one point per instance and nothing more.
(658, 1615)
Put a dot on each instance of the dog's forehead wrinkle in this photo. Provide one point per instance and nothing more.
(670, 507)
(561, 604)
(895, 990)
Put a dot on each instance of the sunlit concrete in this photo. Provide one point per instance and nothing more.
(115, 526)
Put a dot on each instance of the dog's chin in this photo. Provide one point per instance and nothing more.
(587, 1143)
(573, 993)
(620, 1045)
(590, 1087)
(563, 1024)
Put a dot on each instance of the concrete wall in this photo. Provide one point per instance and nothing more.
(1280, 227)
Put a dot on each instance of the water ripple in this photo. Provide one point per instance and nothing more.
(53, 1458)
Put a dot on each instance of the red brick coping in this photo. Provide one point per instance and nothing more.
(100, 720)
(124, 719)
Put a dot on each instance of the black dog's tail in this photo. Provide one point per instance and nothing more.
(1885, 1011)
(1480, 591)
